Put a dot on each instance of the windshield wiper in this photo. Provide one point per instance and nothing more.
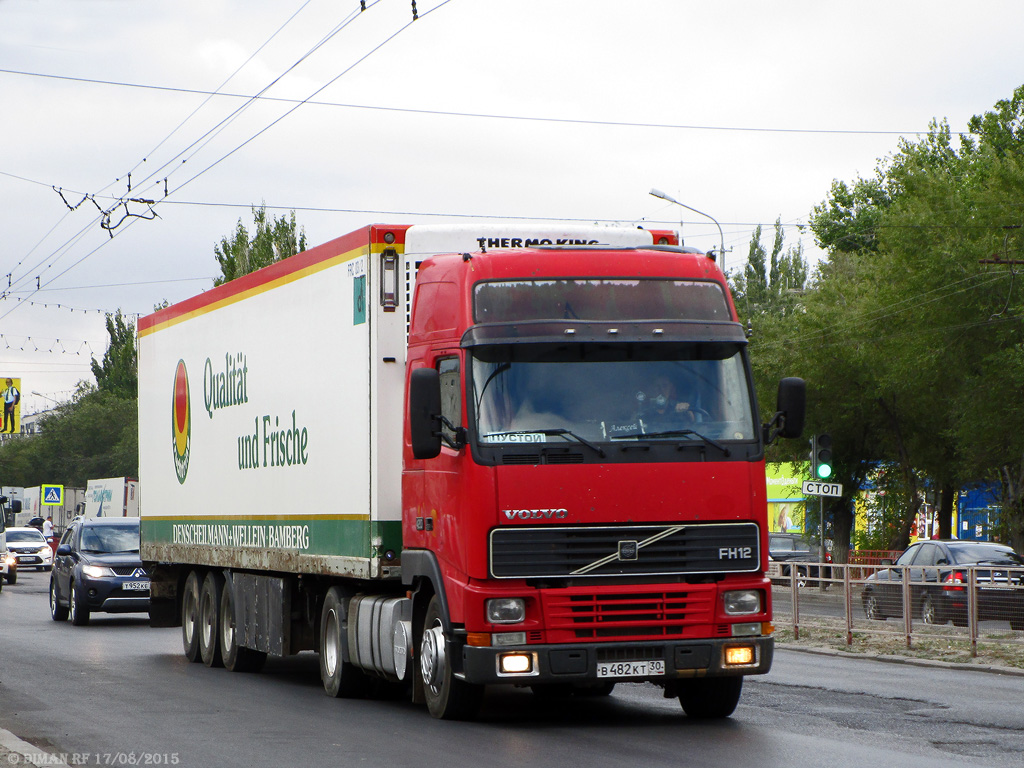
(560, 432)
(680, 433)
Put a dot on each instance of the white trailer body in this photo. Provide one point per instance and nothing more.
(112, 497)
(261, 398)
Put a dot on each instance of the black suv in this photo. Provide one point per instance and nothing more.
(787, 548)
(98, 568)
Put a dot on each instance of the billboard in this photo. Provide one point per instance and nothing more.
(12, 404)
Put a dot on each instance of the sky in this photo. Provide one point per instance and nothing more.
(476, 111)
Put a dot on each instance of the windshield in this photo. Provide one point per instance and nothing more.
(110, 538)
(602, 393)
(21, 537)
(965, 554)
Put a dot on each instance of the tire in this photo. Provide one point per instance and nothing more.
(209, 619)
(190, 617)
(929, 613)
(710, 698)
(341, 679)
(447, 697)
(873, 608)
(76, 603)
(12, 577)
(236, 658)
(58, 612)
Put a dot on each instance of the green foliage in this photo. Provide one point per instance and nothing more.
(119, 371)
(272, 241)
(770, 284)
(910, 346)
(94, 435)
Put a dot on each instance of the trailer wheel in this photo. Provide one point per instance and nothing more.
(57, 611)
(236, 658)
(76, 602)
(209, 613)
(190, 617)
(710, 698)
(448, 698)
(341, 679)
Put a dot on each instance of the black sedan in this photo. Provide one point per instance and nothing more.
(938, 576)
(787, 548)
(98, 569)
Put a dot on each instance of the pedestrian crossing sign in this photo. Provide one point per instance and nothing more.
(53, 495)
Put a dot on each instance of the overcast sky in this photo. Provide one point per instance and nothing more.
(550, 109)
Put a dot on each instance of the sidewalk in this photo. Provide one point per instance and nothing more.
(14, 751)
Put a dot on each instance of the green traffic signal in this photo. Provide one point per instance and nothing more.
(823, 456)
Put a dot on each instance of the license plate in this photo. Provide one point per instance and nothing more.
(630, 668)
(135, 585)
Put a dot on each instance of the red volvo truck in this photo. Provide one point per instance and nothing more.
(454, 457)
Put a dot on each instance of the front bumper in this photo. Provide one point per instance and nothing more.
(107, 595)
(41, 559)
(578, 663)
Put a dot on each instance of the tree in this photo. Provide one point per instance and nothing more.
(272, 241)
(119, 371)
(770, 283)
(909, 345)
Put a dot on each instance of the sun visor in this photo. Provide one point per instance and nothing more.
(575, 331)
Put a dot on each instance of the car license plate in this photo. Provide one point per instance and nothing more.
(630, 668)
(135, 585)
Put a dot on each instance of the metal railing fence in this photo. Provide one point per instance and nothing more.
(957, 603)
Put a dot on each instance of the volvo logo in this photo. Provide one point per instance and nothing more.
(629, 550)
(535, 514)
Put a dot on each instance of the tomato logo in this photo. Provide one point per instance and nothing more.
(181, 418)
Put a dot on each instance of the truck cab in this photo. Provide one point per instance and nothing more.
(583, 481)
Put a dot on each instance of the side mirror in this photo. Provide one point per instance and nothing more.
(64, 550)
(16, 506)
(792, 404)
(790, 409)
(425, 412)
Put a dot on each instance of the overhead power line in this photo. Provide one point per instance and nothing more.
(479, 115)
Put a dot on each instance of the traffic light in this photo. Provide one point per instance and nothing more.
(821, 456)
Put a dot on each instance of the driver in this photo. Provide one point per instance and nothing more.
(665, 405)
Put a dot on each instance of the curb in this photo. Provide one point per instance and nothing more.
(15, 751)
(908, 660)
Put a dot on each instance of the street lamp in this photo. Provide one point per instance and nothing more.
(45, 397)
(669, 199)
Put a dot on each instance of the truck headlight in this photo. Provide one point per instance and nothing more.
(741, 602)
(506, 610)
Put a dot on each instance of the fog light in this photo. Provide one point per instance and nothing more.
(506, 610)
(739, 655)
(515, 663)
(751, 629)
(509, 638)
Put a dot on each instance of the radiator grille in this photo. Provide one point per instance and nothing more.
(551, 552)
(634, 614)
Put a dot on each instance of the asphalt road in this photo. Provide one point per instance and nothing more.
(120, 693)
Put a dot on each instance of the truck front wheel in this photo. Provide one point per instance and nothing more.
(341, 679)
(448, 698)
(709, 698)
(190, 617)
